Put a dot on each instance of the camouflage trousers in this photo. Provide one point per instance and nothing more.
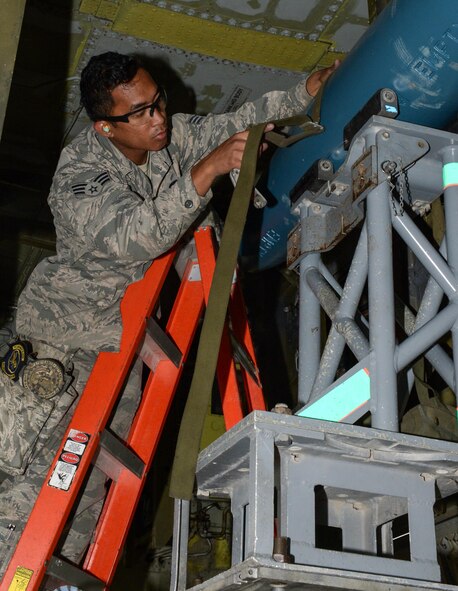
(18, 493)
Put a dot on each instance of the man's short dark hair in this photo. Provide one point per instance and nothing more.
(101, 75)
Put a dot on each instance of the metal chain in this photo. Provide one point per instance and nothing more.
(407, 186)
(403, 187)
(389, 168)
(392, 187)
(400, 182)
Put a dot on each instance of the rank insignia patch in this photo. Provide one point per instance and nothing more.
(92, 187)
(196, 119)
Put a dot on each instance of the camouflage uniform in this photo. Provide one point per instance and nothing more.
(111, 220)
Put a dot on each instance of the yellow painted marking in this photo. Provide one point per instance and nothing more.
(21, 579)
(107, 10)
(329, 58)
(89, 6)
(219, 40)
(78, 44)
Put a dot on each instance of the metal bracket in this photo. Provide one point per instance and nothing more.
(399, 148)
(384, 103)
(293, 251)
(364, 173)
(330, 217)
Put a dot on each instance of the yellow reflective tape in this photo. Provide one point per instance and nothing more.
(21, 579)
(216, 39)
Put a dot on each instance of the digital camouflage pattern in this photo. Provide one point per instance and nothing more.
(111, 221)
(17, 494)
(26, 419)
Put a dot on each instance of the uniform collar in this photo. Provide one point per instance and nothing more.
(121, 161)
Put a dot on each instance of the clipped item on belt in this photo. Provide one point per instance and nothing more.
(43, 377)
(14, 357)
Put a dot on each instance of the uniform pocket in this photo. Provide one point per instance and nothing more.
(26, 422)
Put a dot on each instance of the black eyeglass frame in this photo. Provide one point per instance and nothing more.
(152, 107)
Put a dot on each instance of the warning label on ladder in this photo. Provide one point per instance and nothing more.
(21, 579)
(65, 469)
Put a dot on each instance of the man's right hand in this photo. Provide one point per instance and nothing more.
(222, 160)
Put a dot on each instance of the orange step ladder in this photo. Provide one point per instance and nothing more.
(127, 465)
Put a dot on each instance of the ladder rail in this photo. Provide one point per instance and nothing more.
(225, 371)
(145, 434)
(234, 409)
(44, 527)
(237, 310)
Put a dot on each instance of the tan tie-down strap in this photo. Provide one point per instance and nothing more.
(188, 445)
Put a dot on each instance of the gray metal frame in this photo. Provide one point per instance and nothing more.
(352, 482)
(272, 468)
(384, 153)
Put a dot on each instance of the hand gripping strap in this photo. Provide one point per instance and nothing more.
(187, 450)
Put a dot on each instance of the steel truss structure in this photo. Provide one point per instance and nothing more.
(316, 502)
(389, 164)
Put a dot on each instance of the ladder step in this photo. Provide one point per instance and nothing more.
(114, 525)
(157, 346)
(72, 575)
(126, 464)
(114, 456)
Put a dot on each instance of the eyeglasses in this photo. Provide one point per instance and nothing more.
(142, 115)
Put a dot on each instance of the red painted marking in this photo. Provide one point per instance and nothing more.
(70, 458)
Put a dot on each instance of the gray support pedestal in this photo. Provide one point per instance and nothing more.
(356, 505)
(337, 491)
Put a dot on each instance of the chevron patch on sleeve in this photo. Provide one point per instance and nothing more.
(196, 119)
(92, 187)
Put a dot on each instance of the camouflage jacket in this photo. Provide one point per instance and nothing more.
(112, 220)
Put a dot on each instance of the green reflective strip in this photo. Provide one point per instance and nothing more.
(450, 174)
(342, 400)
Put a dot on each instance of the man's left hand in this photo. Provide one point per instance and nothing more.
(315, 80)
